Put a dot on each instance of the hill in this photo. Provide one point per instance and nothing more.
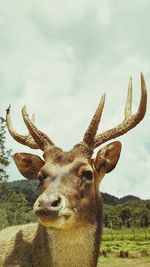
(17, 199)
(30, 190)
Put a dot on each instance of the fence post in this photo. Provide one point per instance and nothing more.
(111, 225)
(133, 230)
(145, 233)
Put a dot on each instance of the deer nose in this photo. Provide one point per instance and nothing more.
(52, 203)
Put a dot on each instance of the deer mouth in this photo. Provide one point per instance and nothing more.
(60, 222)
(60, 219)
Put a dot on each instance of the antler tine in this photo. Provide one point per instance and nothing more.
(143, 101)
(128, 106)
(26, 140)
(92, 129)
(40, 138)
(130, 120)
(33, 118)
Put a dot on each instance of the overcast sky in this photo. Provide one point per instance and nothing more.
(58, 57)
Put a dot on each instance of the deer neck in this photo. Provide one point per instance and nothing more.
(72, 247)
(75, 247)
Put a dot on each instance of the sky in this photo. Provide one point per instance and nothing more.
(58, 57)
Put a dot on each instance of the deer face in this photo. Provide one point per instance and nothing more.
(69, 181)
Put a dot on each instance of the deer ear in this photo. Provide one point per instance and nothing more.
(108, 157)
(28, 164)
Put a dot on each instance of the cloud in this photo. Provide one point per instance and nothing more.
(58, 57)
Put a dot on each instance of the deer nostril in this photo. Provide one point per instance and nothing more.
(39, 203)
(56, 202)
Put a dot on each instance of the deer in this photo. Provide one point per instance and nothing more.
(69, 206)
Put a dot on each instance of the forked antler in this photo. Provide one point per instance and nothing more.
(35, 139)
(130, 121)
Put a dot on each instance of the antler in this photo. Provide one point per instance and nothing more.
(38, 140)
(129, 122)
(92, 129)
(35, 139)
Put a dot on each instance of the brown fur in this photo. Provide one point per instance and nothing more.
(71, 236)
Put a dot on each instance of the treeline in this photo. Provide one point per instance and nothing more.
(14, 207)
(129, 214)
(17, 199)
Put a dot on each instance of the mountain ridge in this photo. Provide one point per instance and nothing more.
(30, 190)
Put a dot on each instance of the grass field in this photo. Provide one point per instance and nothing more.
(118, 262)
(125, 248)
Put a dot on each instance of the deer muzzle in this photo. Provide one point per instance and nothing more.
(49, 205)
(52, 210)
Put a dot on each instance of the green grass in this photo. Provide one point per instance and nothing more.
(118, 262)
(127, 234)
(125, 248)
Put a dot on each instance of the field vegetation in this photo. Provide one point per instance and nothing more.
(125, 247)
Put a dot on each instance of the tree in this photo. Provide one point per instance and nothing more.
(144, 220)
(14, 209)
(125, 215)
(4, 153)
(17, 208)
(148, 204)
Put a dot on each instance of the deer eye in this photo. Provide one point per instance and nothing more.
(88, 175)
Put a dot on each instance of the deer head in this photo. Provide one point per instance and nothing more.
(69, 181)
